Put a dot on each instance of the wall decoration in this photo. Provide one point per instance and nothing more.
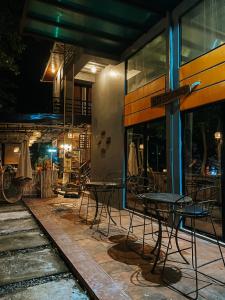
(108, 140)
(103, 133)
(104, 142)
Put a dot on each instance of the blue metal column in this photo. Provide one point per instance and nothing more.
(173, 122)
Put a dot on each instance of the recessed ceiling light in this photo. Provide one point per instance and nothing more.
(93, 69)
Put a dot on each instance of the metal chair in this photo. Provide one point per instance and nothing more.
(195, 210)
(87, 202)
(112, 206)
(137, 185)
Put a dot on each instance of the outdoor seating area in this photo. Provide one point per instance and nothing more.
(118, 256)
(112, 139)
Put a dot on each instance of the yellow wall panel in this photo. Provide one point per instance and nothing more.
(202, 63)
(207, 95)
(137, 104)
(208, 77)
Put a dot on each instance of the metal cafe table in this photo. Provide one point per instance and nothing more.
(101, 187)
(156, 199)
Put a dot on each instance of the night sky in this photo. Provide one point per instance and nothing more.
(33, 95)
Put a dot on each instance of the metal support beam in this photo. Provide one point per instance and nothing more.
(173, 122)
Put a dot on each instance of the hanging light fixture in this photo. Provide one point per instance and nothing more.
(70, 135)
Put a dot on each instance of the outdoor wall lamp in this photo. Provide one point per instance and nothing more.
(218, 135)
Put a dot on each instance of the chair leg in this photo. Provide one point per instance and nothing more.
(87, 209)
(130, 229)
(217, 240)
(176, 240)
(195, 261)
(143, 240)
(81, 203)
(168, 246)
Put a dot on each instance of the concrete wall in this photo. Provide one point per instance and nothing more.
(107, 123)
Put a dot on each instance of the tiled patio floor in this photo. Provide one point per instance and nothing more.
(111, 270)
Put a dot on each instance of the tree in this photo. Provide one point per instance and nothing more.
(11, 48)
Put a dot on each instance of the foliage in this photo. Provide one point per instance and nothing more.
(11, 48)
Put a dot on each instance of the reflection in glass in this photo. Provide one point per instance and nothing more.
(202, 29)
(147, 64)
(202, 146)
(146, 154)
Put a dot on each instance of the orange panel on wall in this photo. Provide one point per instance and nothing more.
(148, 89)
(144, 115)
(202, 63)
(210, 69)
(208, 77)
(137, 104)
(207, 95)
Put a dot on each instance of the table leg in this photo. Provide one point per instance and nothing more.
(108, 205)
(96, 209)
(159, 240)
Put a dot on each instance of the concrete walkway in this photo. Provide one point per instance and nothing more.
(111, 270)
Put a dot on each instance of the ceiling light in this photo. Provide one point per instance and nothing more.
(53, 69)
(16, 150)
(113, 74)
(93, 69)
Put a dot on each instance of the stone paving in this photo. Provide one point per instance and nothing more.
(30, 267)
(108, 265)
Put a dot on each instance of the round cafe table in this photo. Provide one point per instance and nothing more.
(101, 187)
(156, 199)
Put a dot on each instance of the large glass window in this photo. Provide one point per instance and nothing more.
(147, 64)
(203, 156)
(202, 29)
(146, 153)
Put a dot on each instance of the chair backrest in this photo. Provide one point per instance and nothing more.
(204, 193)
(139, 184)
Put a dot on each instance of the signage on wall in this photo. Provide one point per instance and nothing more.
(169, 97)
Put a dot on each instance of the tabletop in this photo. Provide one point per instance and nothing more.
(169, 198)
(102, 183)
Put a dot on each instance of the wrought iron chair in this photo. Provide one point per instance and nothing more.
(135, 187)
(112, 206)
(193, 210)
(87, 202)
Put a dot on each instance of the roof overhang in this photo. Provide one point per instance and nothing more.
(102, 28)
